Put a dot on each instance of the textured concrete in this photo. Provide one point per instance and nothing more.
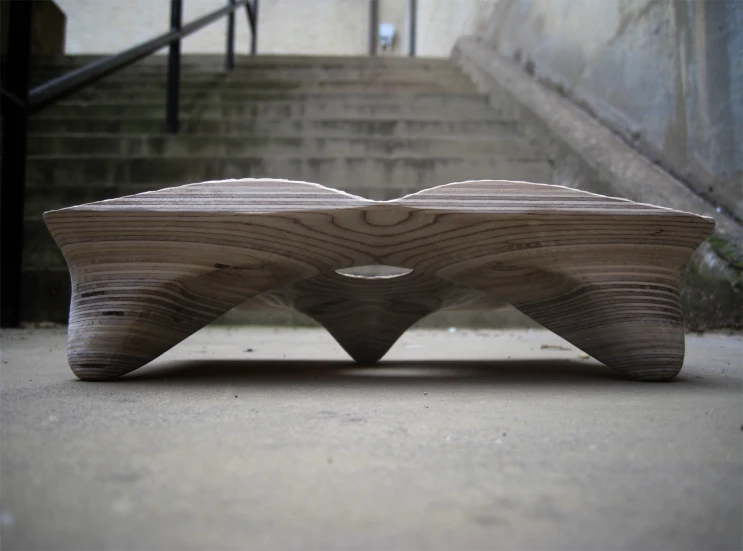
(587, 155)
(376, 127)
(272, 439)
(667, 76)
(460, 146)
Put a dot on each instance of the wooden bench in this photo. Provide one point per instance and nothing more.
(149, 270)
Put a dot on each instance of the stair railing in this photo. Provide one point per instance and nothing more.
(19, 103)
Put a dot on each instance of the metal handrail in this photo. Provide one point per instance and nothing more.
(413, 26)
(69, 83)
(19, 103)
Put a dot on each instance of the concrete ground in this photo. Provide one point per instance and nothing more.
(268, 438)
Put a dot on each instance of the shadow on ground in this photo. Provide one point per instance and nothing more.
(289, 372)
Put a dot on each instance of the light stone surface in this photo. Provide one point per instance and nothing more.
(268, 438)
(311, 27)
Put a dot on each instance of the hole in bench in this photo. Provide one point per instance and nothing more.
(374, 271)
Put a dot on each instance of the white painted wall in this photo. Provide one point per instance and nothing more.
(109, 26)
(311, 27)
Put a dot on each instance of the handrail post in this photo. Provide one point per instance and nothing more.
(174, 69)
(229, 61)
(13, 170)
(254, 36)
(413, 25)
(373, 26)
(20, 102)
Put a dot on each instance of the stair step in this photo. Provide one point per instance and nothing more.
(368, 178)
(220, 96)
(350, 87)
(370, 74)
(282, 126)
(332, 171)
(239, 111)
(39, 249)
(248, 68)
(216, 145)
(238, 97)
(377, 127)
(53, 187)
(216, 61)
(57, 186)
(45, 295)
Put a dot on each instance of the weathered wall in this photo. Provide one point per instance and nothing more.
(667, 75)
(588, 155)
(312, 27)
(442, 22)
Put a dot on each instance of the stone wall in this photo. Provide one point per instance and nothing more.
(312, 27)
(667, 76)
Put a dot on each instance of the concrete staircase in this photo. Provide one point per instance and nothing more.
(376, 127)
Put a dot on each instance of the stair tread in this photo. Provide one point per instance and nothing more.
(157, 116)
(176, 137)
(118, 159)
(349, 126)
(268, 97)
(380, 128)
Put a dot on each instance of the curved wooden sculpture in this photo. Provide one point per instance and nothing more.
(149, 270)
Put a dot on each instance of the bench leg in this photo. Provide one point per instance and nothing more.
(119, 323)
(625, 312)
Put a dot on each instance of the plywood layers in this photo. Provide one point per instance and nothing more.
(149, 270)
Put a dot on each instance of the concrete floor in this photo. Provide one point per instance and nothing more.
(267, 438)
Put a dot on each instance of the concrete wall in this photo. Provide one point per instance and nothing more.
(109, 26)
(667, 75)
(441, 23)
(312, 27)
(319, 27)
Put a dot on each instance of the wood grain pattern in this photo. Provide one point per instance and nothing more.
(149, 270)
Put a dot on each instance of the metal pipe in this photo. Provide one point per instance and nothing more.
(413, 24)
(229, 61)
(54, 90)
(174, 69)
(18, 104)
(251, 18)
(13, 169)
(254, 29)
(373, 26)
